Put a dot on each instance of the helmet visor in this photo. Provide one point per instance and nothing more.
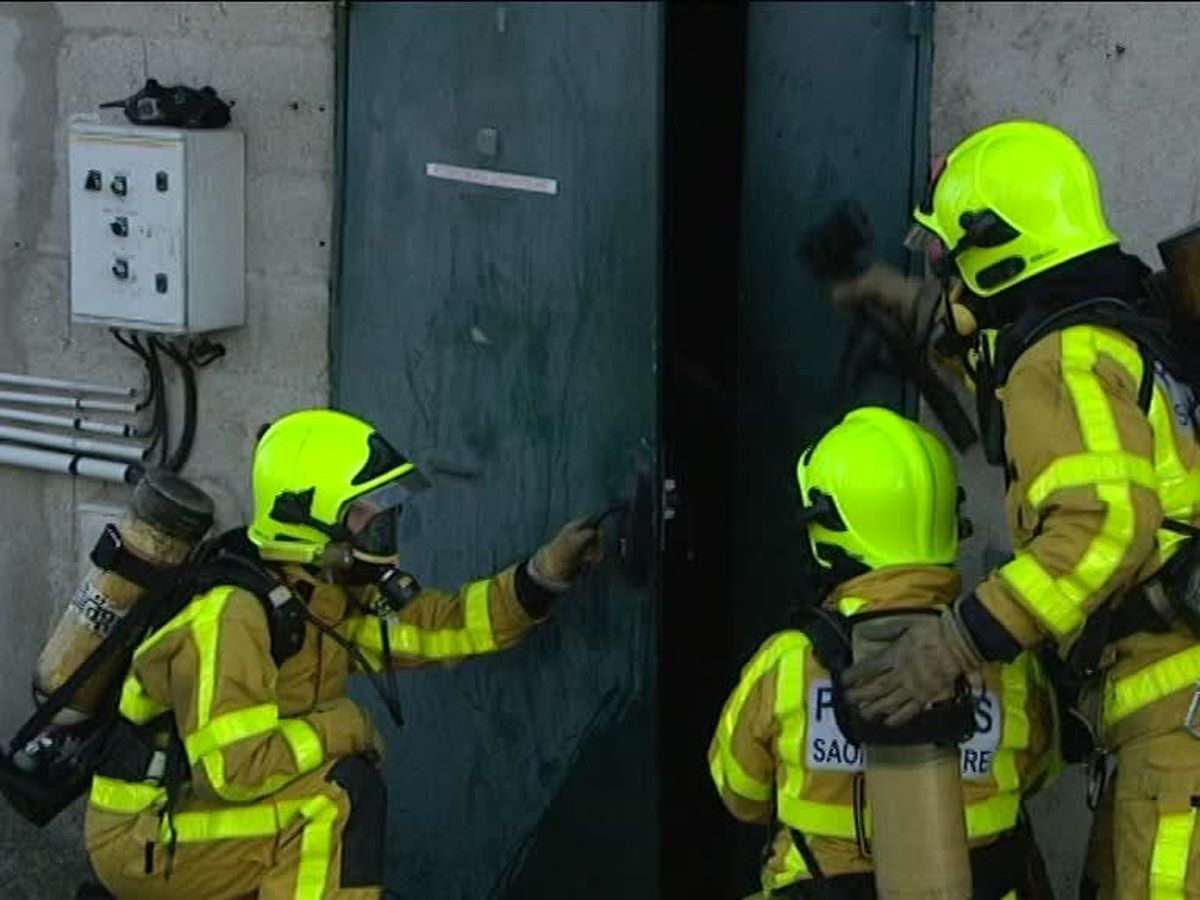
(370, 519)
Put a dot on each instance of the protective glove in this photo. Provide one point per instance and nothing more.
(918, 667)
(884, 284)
(575, 548)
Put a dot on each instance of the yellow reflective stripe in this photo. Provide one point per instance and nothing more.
(716, 769)
(811, 817)
(848, 606)
(994, 815)
(136, 705)
(1125, 696)
(1178, 488)
(304, 742)
(1088, 469)
(734, 775)
(316, 848)
(221, 824)
(479, 617)
(794, 869)
(1014, 735)
(1169, 863)
(1058, 603)
(181, 620)
(230, 728)
(791, 712)
(1047, 599)
(127, 797)
(476, 635)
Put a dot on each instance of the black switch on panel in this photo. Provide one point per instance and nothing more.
(160, 282)
(120, 269)
(162, 182)
(119, 226)
(95, 181)
(119, 185)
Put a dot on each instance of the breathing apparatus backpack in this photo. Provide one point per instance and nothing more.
(146, 570)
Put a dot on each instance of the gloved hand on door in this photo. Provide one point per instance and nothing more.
(577, 547)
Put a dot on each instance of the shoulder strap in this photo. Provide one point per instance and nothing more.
(285, 612)
(829, 633)
(123, 638)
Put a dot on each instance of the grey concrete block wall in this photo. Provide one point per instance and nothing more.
(1119, 77)
(277, 61)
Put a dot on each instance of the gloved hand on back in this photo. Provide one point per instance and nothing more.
(919, 667)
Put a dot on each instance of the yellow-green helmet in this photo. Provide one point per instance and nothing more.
(883, 490)
(1013, 200)
(310, 468)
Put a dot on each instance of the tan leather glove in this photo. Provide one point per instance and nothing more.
(884, 284)
(919, 667)
(569, 553)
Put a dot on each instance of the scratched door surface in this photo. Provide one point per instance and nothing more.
(503, 331)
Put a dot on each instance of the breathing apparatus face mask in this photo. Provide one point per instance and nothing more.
(365, 548)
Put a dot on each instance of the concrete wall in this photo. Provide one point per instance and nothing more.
(1119, 77)
(277, 61)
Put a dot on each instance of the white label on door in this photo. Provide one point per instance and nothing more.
(489, 178)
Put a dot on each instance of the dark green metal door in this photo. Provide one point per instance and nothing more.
(836, 107)
(503, 329)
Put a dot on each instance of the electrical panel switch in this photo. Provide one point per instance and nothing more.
(157, 227)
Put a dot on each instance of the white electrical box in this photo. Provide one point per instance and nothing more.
(157, 227)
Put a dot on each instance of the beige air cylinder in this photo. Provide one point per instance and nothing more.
(919, 832)
(166, 519)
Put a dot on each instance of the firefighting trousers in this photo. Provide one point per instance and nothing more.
(322, 836)
(1144, 841)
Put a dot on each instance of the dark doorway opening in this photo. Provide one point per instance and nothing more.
(704, 111)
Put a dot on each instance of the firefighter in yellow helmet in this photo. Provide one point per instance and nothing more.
(880, 504)
(244, 769)
(1081, 399)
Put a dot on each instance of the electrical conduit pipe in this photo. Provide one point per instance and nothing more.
(119, 406)
(128, 452)
(92, 426)
(59, 384)
(67, 464)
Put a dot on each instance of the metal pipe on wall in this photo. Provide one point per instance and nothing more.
(129, 452)
(60, 384)
(93, 426)
(120, 406)
(65, 463)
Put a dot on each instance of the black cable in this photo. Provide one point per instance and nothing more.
(141, 354)
(161, 412)
(391, 702)
(156, 391)
(188, 436)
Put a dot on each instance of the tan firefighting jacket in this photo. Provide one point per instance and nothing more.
(1091, 478)
(778, 754)
(250, 727)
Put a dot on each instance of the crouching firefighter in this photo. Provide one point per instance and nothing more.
(238, 766)
(1085, 400)
(880, 506)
